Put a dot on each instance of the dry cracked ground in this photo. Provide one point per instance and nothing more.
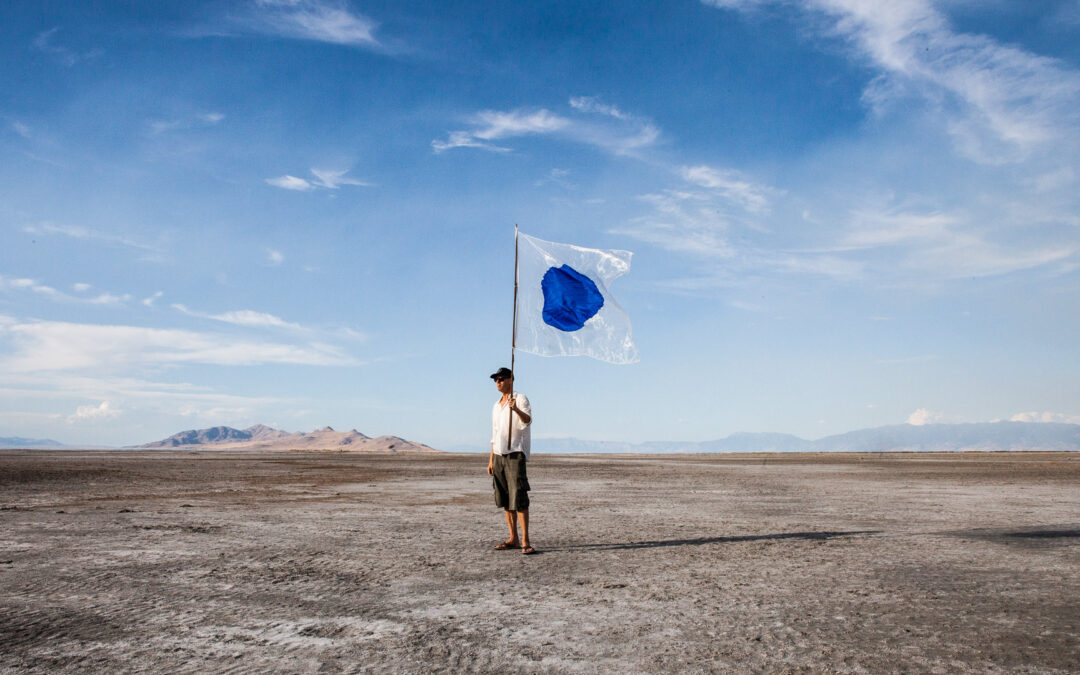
(303, 563)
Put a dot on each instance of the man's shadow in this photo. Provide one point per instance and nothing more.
(627, 546)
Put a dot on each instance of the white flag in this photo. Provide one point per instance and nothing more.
(564, 306)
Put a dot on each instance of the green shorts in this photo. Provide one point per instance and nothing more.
(511, 482)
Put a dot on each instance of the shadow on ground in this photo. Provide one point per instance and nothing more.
(813, 536)
(1065, 534)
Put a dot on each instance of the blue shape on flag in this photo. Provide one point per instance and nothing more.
(570, 298)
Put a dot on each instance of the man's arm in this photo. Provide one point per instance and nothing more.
(523, 413)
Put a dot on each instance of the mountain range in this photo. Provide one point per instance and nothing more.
(986, 436)
(262, 437)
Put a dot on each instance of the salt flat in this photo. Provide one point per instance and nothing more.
(167, 561)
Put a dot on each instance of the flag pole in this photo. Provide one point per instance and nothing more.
(513, 345)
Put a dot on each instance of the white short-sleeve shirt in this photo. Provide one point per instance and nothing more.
(521, 438)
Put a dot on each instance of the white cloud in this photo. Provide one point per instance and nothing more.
(492, 125)
(23, 284)
(731, 186)
(21, 129)
(591, 104)
(332, 180)
(149, 302)
(1045, 417)
(274, 257)
(621, 134)
(495, 124)
(243, 317)
(247, 317)
(329, 179)
(109, 299)
(923, 416)
(321, 21)
(61, 346)
(464, 139)
(290, 183)
(103, 411)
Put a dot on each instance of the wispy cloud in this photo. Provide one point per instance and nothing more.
(62, 346)
(274, 257)
(207, 119)
(332, 180)
(24, 284)
(46, 43)
(318, 20)
(731, 186)
(88, 234)
(620, 133)
(242, 317)
(329, 179)
(628, 134)
(109, 396)
(10, 284)
(592, 104)
(247, 317)
(492, 125)
(696, 216)
(102, 298)
(682, 221)
(288, 182)
(998, 101)
(560, 177)
(946, 245)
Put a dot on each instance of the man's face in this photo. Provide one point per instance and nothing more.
(504, 384)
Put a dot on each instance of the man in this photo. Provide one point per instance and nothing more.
(511, 417)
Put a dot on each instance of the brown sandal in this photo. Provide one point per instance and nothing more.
(527, 550)
(506, 546)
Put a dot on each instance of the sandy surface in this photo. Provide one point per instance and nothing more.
(164, 561)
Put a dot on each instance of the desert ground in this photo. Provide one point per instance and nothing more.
(171, 561)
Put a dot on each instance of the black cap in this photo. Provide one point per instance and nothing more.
(502, 372)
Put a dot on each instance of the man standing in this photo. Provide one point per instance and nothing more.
(511, 418)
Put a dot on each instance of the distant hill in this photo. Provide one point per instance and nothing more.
(262, 437)
(953, 437)
(988, 436)
(12, 442)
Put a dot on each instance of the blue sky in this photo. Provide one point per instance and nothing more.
(300, 212)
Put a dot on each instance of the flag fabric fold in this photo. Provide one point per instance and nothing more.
(564, 306)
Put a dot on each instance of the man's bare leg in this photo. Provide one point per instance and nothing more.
(523, 519)
(510, 522)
